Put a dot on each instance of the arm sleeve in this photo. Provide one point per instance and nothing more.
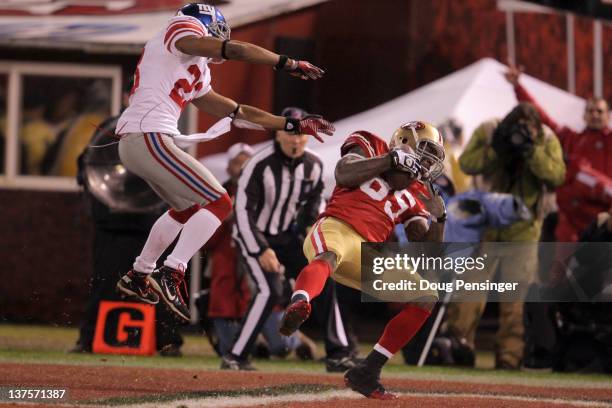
(248, 195)
(523, 96)
(546, 160)
(479, 156)
(370, 144)
(179, 27)
(310, 210)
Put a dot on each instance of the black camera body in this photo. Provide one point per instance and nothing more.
(512, 141)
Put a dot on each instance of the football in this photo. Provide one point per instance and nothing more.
(398, 180)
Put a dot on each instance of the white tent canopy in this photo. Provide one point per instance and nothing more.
(470, 96)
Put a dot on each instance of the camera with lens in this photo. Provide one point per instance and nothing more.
(513, 140)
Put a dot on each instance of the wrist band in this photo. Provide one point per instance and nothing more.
(441, 219)
(392, 158)
(292, 125)
(223, 47)
(235, 112)
(282, 61)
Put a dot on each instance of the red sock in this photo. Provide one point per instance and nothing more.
(312, 278)
(401, 329)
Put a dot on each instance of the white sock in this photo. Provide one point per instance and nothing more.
(162, 234)
(196, 232)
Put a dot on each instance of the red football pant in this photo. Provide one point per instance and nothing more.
(402, 328)
(312, 278)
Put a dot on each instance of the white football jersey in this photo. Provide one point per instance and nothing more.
(165, 81)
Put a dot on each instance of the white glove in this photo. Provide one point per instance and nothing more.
(404, 161)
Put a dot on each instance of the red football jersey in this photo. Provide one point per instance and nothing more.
(373, 208)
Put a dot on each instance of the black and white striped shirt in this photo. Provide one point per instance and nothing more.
(275, 194)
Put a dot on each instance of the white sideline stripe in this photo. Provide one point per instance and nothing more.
(227, 402)
(535, 399)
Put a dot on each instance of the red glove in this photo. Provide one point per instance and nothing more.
(300, 69)
(304, 70)
(311, 125)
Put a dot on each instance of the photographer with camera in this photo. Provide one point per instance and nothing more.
(587, 149)
(520, 156)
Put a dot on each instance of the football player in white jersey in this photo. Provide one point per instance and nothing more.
(172, 72)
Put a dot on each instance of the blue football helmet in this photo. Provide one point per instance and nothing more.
(210, 16)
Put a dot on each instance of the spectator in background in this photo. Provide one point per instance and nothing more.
(71, 142)
(38, 133)
(589, 148)
(279, 197)
(521, 157)
(452, 134)
(580, 199)
(229, 294)
(584, 328)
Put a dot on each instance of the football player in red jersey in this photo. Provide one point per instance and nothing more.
(363, 208)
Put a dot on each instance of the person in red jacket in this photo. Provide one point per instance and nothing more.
(587, 150)
(229, 292)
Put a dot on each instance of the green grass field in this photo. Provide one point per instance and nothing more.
(48, 344)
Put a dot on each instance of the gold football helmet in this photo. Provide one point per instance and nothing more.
(427, 143)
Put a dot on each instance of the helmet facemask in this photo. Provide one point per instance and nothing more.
(220, 30)
(210, 17)
(426, 142)
(431, 158)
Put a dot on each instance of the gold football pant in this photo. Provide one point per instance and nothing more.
(334, 235)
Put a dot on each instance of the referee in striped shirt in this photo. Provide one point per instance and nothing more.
(279, 196)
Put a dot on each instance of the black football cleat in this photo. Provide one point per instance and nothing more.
(367, 383)
(340, 365)
(136, 285)
(167, 283)
(295, 314)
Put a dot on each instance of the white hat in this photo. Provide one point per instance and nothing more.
(239, 148)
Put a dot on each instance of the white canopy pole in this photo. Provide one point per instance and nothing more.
(597, 60)
(571, 53)
(510, 40)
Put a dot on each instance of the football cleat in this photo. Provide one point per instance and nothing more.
(367, 383)
(340, 365)
(167, 283)
(136, 285)
(296, 313)
(231, 362)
